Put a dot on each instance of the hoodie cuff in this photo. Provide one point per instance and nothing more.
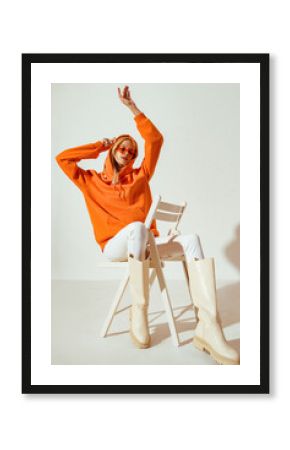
(100, 146)
(139, 117)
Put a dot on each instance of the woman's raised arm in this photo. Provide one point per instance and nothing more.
(152, 136)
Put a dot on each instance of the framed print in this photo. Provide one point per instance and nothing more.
(145, 221)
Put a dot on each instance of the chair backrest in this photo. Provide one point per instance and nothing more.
(166, 212)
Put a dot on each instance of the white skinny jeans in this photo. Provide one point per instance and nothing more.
(133, 240)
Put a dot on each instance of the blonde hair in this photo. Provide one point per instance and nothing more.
(115, 165)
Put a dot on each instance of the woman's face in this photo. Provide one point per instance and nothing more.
(124, 153)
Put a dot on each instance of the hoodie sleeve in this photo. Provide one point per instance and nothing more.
(153, 143)
(67, 161)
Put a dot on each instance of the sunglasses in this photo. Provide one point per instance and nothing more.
(122, 150)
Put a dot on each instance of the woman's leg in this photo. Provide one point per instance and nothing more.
(131, 240)
(208, 333)
(130, 243)
(188, 245)
(201, 272)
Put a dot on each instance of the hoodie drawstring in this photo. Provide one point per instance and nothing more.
(120, 189)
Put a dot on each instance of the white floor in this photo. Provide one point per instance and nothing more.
(80, 307)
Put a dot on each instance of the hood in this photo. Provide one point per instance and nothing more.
(108, 170)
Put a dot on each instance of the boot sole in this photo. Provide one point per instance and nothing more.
(202, 345)
(137, 343)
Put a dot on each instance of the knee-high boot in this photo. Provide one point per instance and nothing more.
(139, 287)
(208, 334)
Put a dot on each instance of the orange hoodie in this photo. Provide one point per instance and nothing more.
(112, 207)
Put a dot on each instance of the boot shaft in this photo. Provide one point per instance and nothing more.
(203, 285)
(139, 281)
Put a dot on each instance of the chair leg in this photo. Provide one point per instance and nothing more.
(164, 290)
(118, 297)
(152, 277)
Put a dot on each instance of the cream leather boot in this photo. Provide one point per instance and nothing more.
(208, 333)
(139, 286)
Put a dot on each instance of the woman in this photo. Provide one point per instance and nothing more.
(118, 200)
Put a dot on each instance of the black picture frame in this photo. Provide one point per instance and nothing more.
(263, 61)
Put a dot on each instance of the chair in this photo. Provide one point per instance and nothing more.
(161, 211)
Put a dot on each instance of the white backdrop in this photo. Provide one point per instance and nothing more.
(199, 163)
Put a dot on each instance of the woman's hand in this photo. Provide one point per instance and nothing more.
(125, 96)
(108, 142)
(126, 99)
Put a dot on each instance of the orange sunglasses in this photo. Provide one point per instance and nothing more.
(122, 150)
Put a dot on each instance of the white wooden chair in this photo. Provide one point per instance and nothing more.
(162, 211)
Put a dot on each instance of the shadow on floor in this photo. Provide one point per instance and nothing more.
(229, 314)
(229, 304)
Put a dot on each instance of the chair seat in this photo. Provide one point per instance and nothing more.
(122, 262)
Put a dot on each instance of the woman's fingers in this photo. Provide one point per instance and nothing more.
(107, 141)
(126, 90)
(124, 95)
(121, 94)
